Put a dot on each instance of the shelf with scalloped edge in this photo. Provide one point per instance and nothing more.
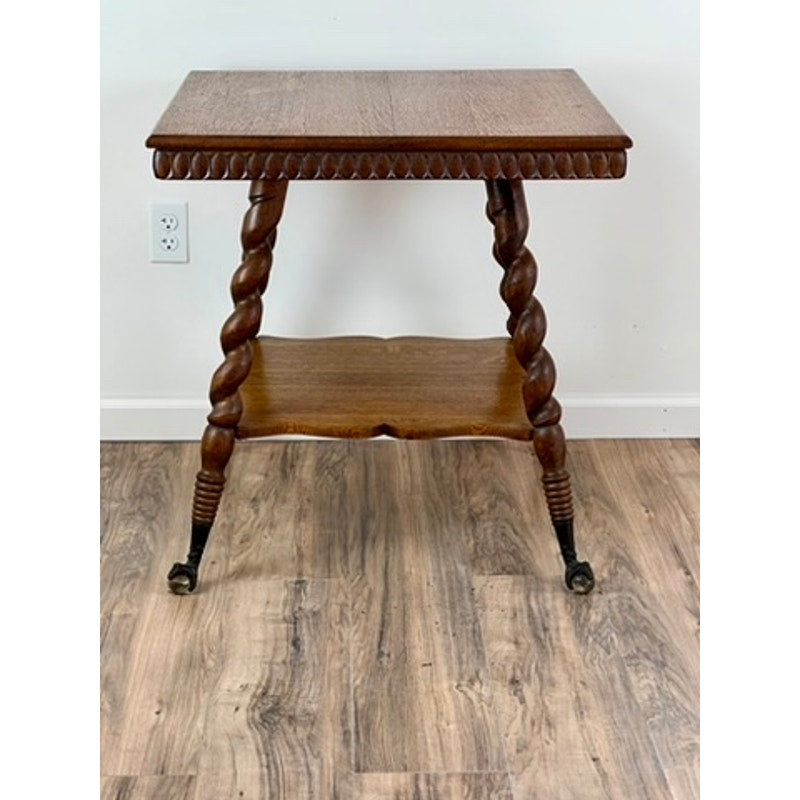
(409, 387)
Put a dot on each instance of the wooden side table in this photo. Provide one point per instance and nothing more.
(501, 127)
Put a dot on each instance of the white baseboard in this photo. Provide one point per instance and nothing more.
(585, 417)
(631, 416)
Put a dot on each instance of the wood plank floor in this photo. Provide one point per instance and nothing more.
(387, 620)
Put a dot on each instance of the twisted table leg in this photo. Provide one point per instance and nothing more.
(508, 214)
(249, 282)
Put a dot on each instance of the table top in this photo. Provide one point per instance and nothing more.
(387, 124)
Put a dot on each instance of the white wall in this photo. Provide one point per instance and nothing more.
(619, 260)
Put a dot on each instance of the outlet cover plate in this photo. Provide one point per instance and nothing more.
(169, 233)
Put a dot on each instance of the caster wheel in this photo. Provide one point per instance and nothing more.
(580, 578)
(182, 578)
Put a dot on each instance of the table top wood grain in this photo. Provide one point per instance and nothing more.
(419, 110)
(479, 124)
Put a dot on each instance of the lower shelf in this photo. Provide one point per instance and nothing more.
(409, 387)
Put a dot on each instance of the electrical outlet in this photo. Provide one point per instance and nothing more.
(169, 243)
(167, 221)
(169, 233)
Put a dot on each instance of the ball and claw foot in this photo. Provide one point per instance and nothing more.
(579, 577)
(182, 578)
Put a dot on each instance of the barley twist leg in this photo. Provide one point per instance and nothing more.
(527, 324)
(249, 282)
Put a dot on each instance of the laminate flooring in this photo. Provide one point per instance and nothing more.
(387, 620)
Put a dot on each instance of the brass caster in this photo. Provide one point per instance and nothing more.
(580, 578)
(182, 578)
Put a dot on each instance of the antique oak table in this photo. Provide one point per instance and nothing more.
(500, 127)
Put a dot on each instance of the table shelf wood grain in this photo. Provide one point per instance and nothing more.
(408, 387)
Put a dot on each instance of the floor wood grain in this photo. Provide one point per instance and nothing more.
(147, 787)
(388, 620)
(419, 667)
(274, 725)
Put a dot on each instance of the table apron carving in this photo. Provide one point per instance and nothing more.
(281, 166)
